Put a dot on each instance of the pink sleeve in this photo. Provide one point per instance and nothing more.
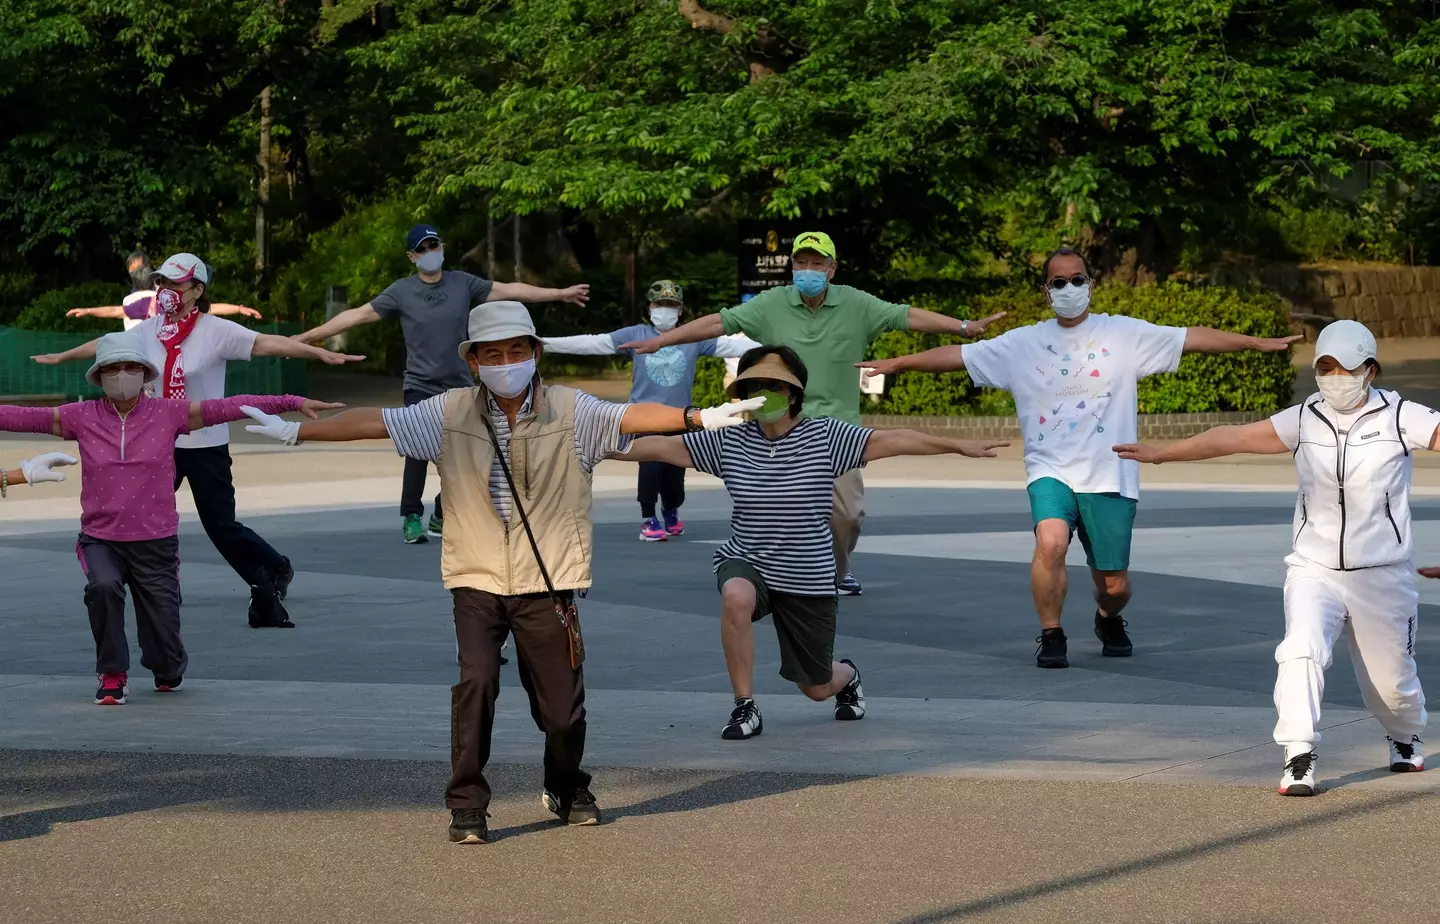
(224, 410)
(29, 419)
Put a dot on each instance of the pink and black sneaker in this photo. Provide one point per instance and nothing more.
(673, 524)
(652, 530)
(112, 690)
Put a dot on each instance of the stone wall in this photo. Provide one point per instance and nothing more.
(1152, 426)
(1393, 301)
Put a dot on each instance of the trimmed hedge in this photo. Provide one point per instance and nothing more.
(1246, 381)
(47, 312)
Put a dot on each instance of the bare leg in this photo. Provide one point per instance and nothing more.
(1047, 570)
(840, 675)
(1112, 591)
(737, 634)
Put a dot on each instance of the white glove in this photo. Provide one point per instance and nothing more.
(728, 415)
(277, 428)
(42, 468)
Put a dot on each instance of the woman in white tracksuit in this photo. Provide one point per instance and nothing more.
(1351, 569)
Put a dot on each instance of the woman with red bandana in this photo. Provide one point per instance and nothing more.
(190, 348)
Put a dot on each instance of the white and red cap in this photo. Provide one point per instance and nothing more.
(183, 267)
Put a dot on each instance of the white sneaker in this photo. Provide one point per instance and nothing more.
(1299, 776)
(1406, 758)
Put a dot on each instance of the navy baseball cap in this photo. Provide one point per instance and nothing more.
(419, 234)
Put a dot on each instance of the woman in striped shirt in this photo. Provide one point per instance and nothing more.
(780, 471)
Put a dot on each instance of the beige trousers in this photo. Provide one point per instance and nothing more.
(845, 519)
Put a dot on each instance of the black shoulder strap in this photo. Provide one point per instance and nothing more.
(519, 508)
(1398, 430)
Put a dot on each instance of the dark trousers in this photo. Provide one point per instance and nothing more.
(412, 489)
(663, 480)
(556, 691)
(212, 486)
(151, 569)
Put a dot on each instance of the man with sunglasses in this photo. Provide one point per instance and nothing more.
(1075, 379)
(433, 306)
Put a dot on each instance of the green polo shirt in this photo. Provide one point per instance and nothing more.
(830, 340)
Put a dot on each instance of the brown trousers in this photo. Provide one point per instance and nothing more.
(556, 692)
(845, 519)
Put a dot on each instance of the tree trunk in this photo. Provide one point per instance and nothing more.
(489, 243)
(518, 263)
(262, 204)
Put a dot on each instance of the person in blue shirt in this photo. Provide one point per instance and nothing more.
(666, 376)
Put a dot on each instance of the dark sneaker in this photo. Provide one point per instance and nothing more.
(266, 610)
(283, 577)
(673, 524)
(849, 587)
(850, 702)
(467, 826)
(1114, 642)
(113, 690)
(582, 810)
(1299, 776)
(745, 721)
(436, 529)
(168, 684)
(414, 530)
(1052, 650)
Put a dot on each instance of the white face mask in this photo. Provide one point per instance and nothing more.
(1343, 392)
(122, 386)
(431, 261)
(508, 381)
(1071, 301)
(664, 318)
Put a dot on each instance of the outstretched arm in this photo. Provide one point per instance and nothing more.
(668, 449)
(706, 328)
(886, 443)
(661, 418)
(114, 312)
(44, 467)
(271, 345)
(1259, 438)
(581, 345)
(1210, 340)
(520, 292)
(225, 308)
(30, 420)
(930, 322)
(352, 317)
(940, 359)
(83, 351)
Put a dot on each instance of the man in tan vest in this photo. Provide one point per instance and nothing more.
(551, 437)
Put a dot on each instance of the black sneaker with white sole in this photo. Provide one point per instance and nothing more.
(468, 826)
(581, 811)
(1114, 641)
(745, 721)
(850, 702)
(1053, 650)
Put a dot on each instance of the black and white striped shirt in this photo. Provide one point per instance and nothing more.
(782, 493)
(417, 433)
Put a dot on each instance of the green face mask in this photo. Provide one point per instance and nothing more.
(775, 407)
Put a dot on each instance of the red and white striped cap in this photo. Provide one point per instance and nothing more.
(183, 267)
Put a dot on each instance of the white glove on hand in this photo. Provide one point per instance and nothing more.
(277, 428)
(42, 468)
(728, 415)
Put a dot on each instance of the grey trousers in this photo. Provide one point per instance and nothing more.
(150, 568)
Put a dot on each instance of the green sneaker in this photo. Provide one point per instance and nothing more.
(415, 530)
(437, 526)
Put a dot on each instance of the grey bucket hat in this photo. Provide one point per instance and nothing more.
(494, 321)
(123, 347)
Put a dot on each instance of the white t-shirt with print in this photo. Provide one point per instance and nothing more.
(1075, 393)
(213, 342)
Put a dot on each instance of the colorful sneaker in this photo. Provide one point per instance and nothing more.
(673, 524)
(850, 702)
(849, 587)
(1299, 776)
(1406, 758)
(652, 530)
(113, 690)
(414, 530)
(436, 529)
(168, 684)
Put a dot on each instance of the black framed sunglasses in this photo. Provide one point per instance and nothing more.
(1076, 281)
(428, 245)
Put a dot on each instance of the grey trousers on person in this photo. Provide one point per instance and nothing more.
(151, 569)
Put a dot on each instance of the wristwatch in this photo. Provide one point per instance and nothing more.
(965, 327)
(694, 425)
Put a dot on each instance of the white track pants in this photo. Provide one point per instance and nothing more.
(1376, 610)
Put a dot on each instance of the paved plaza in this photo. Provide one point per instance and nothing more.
(299, 774)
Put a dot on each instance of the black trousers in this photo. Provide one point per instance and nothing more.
(412, 489)
(213, 487)
(663, 480)
(151, 569)
(556, 692)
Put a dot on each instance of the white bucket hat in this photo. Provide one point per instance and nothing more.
(494, 321)
(123, 347)
(1349, 343)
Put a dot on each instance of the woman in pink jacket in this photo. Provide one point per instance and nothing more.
(128, 518)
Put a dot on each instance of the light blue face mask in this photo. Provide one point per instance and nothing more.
(810, 282)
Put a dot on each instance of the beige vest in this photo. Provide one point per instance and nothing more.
(480, 551)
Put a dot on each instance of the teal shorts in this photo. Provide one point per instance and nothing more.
(1104, 521)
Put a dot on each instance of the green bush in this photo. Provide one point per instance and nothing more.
(47, 312)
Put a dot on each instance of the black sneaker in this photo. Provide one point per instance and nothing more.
(467, 826)
(266, 610)
(1110, 630)
(1052, 650)
(745, 721)
(582, 811)
(168, 684)
(283, 579)
(850, 702)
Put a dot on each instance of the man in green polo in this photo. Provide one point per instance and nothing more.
(830, 327)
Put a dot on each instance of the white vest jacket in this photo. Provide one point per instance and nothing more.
(1354, 472)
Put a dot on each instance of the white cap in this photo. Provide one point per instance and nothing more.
(120, 348)
(494, 321)
(183, 267)
(1349, 343)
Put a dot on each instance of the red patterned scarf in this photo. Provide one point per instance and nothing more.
(172, 334)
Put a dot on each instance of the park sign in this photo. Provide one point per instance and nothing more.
(765, 255)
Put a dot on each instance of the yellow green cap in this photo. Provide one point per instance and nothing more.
(817, 241)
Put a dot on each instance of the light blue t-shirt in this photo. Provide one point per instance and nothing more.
(666, 376)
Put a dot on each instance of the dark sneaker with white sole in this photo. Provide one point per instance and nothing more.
(1053, 650)
(168, 684)
(850, 702)
(468, 826)
(266, 610)
(283, 578)
(1299, 776)
(581, 812)
(1114, 641)
(745, 721)
(1406, 757)
(848, 586)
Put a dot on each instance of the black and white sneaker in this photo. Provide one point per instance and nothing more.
(468, 826)
(745, 721)
(582, 810)
(850, 702)
(1114, 641)
(1299, 776)
(1052, 651)
(1406, 758)
(848, 586)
